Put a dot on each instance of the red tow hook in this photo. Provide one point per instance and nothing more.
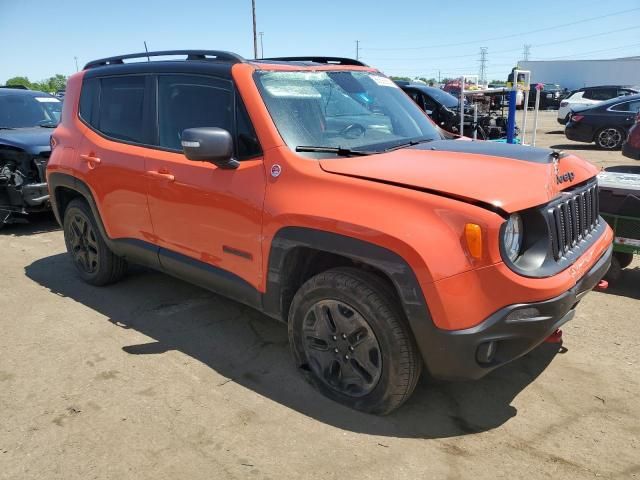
(602, 285)
(555, 337)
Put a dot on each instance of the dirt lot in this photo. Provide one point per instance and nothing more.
(154, 378)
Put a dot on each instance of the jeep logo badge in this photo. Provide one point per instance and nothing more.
(567, 177)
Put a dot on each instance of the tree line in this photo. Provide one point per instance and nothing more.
(49, 85)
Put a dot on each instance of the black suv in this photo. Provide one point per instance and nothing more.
(27, 119)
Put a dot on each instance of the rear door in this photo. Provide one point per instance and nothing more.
(202, 212)
(113, 150)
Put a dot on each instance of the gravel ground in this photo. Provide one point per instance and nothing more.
(155, 378)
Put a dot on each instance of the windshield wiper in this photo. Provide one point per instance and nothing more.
(48, 125)
(342, 152)
(6, 128)
(408, 144)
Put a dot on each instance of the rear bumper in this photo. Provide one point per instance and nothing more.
(510, 332)
(578, 132)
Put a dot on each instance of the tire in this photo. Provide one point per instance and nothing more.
(610, 138)
(624, 258)
(349, 337)
(615, 270)
(95, 262)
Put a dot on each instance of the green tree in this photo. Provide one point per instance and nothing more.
(19, 81)
(402, 79)
(51, 84)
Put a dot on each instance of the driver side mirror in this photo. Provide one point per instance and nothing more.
(209, 144)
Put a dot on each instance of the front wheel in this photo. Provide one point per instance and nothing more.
(610, 138)
(350, 338)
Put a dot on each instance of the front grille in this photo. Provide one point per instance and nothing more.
(572, 218)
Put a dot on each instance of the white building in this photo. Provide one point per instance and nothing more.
(573, 74)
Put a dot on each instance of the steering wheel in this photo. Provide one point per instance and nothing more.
(353, 130)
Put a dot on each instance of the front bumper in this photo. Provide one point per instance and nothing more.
(514, 330)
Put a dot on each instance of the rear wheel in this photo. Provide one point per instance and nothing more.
(95, 262)
(349, 336)
(610, 138)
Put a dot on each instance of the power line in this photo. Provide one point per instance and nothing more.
(519, 34)
(510, 50)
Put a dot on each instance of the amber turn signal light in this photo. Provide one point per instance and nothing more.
(473, 236)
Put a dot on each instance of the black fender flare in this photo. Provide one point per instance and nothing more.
(390, 263)
(143, 252)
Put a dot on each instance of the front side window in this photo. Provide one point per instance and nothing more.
(24, 111)
(122, 101)
(186, 101)
(346, 109)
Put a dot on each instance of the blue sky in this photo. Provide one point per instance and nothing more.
(39, 39)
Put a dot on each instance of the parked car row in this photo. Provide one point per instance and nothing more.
(606, 123)
(590, 96)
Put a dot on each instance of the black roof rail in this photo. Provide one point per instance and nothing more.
(327, 60)
(191, 55)
(17, 87)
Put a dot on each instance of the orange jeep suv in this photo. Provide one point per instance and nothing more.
(314, 190)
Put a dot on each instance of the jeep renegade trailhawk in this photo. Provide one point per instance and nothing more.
(316, 191)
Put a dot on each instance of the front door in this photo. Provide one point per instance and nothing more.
(201, 212)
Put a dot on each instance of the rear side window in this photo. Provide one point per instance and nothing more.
(601, 93)
(89, 101)
(121, 114)
(627, 106)
(186, 101)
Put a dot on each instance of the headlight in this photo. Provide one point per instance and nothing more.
(512, 237)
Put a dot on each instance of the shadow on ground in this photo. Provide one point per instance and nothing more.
(628, 285)
(574, 146)
(36, 223)
(555, 132)
(250, 349)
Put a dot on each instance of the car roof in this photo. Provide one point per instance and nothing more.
(26, 93)
(210, 61)
(424, 88)
(597, 87)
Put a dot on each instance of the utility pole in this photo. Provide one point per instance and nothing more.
(526, 51)
(76, 60)
(261, 45)
(357, 49)
(255, 36)
(483, 66)
(439, 77)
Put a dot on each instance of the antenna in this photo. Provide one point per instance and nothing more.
(146, 50)
(255, 35)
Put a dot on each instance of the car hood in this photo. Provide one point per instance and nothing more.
(32, 140)
(501, 176)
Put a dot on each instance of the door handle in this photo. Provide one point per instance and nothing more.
(89, 158)
(162, 175)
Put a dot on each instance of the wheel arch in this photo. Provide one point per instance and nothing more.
(298, 253)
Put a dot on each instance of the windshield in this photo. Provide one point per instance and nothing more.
(444, 98)
(349, 110)
(20, 111)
